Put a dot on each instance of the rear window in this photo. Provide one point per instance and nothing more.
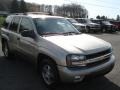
(7, 21)
(14, 24)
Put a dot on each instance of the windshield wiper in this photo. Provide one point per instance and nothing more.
(71, 33)
(65, 33)
(51, 33)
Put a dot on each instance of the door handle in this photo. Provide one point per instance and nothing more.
(7, 34)
(18, 38)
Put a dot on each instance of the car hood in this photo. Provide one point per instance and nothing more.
(78, 24)
(108, 24)
(82, 43)
(92, 24)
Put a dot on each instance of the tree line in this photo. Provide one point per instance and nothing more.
(18, 6)
(13, 6)
(72, 10)
(106, 18)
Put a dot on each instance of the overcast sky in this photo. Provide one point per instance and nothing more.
(110, 8)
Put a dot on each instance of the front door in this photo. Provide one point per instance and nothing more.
(27, 45)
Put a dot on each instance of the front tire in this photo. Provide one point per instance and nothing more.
(49, 72)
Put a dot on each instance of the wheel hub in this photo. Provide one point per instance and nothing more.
(47, 74)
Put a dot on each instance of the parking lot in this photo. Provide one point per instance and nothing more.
(19, 74)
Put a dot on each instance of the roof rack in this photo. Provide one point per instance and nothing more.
(38, 13)
(41, 13)
(18, 13)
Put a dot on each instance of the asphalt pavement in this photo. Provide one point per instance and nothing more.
(18, 74)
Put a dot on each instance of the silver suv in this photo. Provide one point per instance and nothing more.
(60, 52)
(81, 27)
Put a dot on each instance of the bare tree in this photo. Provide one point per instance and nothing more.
(72, 10)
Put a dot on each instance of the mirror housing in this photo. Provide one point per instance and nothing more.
(28, 33)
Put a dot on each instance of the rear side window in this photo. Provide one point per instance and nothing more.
(7, 22)
(14, 24)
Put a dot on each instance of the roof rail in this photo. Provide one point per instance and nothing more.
(18, 13)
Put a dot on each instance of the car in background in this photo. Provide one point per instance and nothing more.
(106, 26)
(81, 27)
(90, 26)
(116, 24)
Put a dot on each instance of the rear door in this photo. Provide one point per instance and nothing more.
(13, 32)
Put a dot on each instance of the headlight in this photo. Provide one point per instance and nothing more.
(74, 59)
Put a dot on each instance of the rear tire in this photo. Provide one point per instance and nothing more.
(6, 51)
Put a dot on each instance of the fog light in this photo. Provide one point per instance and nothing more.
(78, 78)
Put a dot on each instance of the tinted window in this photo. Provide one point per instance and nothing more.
(25, 25)
(14, 25)
(7, 21)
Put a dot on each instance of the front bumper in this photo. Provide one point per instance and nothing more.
(78, 74)
(95, 29)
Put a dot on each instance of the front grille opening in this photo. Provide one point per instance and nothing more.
(98, 62)
(95, 55)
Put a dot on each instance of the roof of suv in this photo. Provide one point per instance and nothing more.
(81, 18)
(38, 16)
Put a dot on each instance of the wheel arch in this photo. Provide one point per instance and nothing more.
(41, 56)
(3, 40)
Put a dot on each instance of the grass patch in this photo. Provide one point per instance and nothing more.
(1, 21)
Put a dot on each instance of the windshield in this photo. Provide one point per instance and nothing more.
(106, 22)
(72, 20)
(84, 21)
(54, 26)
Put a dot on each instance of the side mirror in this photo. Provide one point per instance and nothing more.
(28, 33)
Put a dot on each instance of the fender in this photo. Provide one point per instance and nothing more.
(5, 37)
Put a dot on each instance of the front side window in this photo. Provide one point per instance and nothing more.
(53, 25)
(25, 25)
(14, 24)
(106, 22)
